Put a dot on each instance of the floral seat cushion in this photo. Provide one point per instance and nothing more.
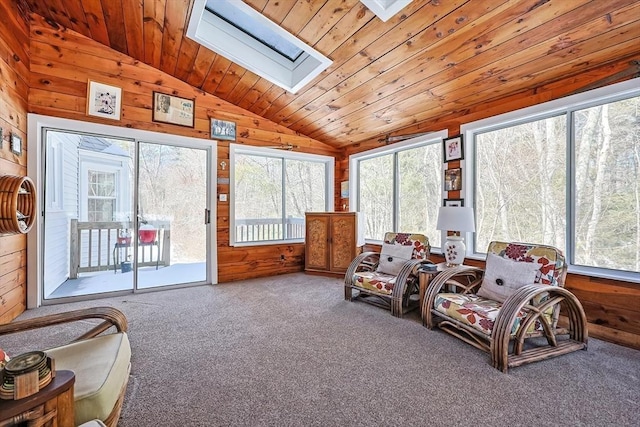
(476, 311)
(376, 282)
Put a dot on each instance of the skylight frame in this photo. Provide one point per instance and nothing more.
(385, 9)
(234, 44)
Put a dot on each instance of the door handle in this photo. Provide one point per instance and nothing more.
(207, 216)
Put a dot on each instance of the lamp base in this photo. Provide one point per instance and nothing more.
(454, 251)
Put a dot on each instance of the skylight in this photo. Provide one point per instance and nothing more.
(254, 28)
(236, 31)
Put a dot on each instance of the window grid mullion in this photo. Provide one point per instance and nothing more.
(284, 198)
(396, 193)
(570, 189)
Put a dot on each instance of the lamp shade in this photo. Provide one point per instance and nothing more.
(455, 218)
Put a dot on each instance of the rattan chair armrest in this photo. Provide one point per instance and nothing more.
(112, 318)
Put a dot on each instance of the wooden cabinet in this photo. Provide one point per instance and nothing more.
(17, 204)
(331, 241)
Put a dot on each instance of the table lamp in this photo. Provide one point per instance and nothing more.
(457, 219)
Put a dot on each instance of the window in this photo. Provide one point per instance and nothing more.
(236, 31)
(399, 188)
(271, 190)
(521, 182)
(565, 173)
(101, 197)
(607, 185)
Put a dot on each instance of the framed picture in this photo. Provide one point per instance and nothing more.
(453, 179)
(454, 202)
(104, 100)
(222, 129)
(453, 149)
(16, 144)
(173, 110)
(344, 189)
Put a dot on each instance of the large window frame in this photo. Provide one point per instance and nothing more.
(417, 142)
(239, 149)
(565, 106)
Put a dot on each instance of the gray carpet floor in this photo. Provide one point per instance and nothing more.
(289, 351)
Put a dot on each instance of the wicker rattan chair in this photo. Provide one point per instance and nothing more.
(389, 278)
(511, 308)
(100, 361)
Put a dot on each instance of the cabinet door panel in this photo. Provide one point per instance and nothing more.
(343, 232)
(317, 242)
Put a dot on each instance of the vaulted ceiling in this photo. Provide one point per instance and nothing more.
(429, 61)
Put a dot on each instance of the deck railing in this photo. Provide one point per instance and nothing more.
(94, 246)
(262, 230)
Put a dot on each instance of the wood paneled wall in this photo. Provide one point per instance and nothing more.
(612, 307)
(14, 91)
(62, 61)
(56, 64)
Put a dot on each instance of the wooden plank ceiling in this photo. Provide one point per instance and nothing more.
(432, 60)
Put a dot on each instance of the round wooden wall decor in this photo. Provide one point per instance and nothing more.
(17, 204)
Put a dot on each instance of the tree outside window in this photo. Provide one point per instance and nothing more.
(271, 194)
(523, 177)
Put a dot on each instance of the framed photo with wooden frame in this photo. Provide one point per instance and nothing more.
(222, 129)
(453, 148)
(453, 179)
(173, 109)
(454, 202)
(104, 100)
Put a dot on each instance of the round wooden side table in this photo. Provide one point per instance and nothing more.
(51, 406)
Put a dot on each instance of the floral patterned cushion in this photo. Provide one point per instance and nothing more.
(551, 260)
(475, 311)
(383, 282)
(419, 242)
(480, 312)
(373, 281)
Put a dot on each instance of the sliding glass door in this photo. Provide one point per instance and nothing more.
(172, 216)
(122, 214)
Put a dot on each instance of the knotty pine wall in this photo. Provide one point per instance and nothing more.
(14, 91)
(62, 61)
(612, 307)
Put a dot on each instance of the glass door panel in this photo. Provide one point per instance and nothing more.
(87, 199)
(171, 242)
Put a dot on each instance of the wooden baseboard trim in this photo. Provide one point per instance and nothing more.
(608, 334)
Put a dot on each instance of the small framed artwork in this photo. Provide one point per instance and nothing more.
(454, 202)
(453, 149)
(344, 189)
(453, 179)
(16, 144)
(104, 100)
(173, 110)
(222, 129)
